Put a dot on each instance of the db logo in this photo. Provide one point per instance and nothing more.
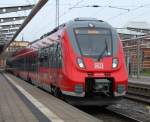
(98, 66)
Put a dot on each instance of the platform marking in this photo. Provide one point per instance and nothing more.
(48, 113)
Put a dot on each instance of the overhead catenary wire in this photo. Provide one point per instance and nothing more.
(69, 9)
(143, 13)
(66, 12)
(97, 6)
(131, 10)
(109, 2)
(109, 5)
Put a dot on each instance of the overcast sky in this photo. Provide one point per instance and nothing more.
(44, 21)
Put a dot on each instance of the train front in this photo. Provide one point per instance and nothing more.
(94, 67)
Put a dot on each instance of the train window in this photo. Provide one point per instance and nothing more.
(44, 57)
(41, 57)
(32, 63)
(54, 56)
(46, 63)
(24, 63)
(51, 55)
(28, 63)
(59, 56)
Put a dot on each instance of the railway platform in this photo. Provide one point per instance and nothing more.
(141, 80)
(23, 102)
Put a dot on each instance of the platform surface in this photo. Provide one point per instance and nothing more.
(141, 80)
(15, 106)
(12, 108)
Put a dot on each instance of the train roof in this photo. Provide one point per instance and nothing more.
(80, 22)
(76, 23)
(87, 22)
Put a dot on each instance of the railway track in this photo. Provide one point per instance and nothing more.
(139, 89)
(130, 115)
(116, 113)
(139, 92)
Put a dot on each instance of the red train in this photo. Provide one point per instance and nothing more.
(81, 61)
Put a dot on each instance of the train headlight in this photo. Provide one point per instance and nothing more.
(80, 63)
(115, 63)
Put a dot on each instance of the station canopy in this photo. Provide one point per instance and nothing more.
(11, 18)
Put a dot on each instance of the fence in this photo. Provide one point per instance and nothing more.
(137, 55)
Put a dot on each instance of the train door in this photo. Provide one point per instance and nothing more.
(52, 62)
(39, 60)
(55, 63)
(58, 63)
(43, 67)
(51, 56)
(32, 70)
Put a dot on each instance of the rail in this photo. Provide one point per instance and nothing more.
(139, 91)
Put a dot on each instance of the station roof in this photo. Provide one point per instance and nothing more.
(10, 22)
(6, 39)
(137, 25)
(129, 32)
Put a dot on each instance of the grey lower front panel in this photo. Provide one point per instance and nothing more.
(92, 101)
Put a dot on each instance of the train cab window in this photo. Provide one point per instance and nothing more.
(93, 42)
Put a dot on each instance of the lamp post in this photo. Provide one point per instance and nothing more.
(57, 13)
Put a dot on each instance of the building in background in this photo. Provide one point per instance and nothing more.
(142, 27)
(134, 29)
(136, 43)
(14, 46)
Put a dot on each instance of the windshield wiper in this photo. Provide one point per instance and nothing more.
(105, 49)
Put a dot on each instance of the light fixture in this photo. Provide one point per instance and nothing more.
(115, 63)
(19, 8)
(80, 63)
(4, 10)
(2, 20)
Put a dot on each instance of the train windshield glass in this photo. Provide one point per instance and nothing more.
(94, 43)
